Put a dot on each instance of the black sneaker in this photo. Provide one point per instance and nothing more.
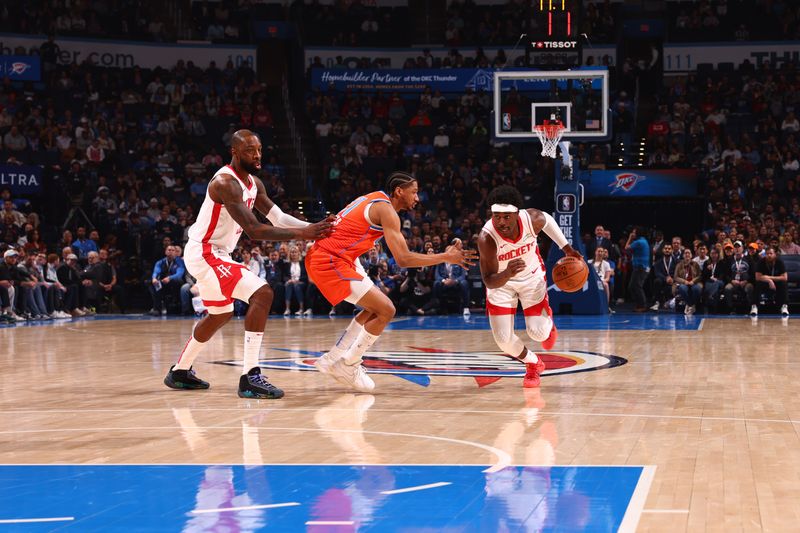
(184, 379)
(255, 385)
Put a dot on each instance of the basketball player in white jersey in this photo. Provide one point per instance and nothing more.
(513, 271)
(226, 212)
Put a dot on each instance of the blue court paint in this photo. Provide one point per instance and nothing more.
(162, 498)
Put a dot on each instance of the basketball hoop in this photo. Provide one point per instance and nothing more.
(549, 134)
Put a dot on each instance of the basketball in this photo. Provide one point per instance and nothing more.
(570, 273)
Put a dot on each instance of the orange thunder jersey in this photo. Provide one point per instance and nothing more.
(353, 233)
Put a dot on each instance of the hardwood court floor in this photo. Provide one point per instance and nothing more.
(714, 410)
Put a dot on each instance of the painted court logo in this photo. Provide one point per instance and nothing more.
(417, 364)
(625, 182)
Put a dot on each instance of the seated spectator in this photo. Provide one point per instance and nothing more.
(33, 289)
(452, 280)
(688, 283)
(663, 277)
(56, 291)
(274, 269)
(296, 281)
(772, 281)
(788, 246)
(741, 279)
(166, 281)
(69, 277)
(9, 286)
(715, 277)
(100, 281)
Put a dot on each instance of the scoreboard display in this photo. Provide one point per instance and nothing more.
(553, 41)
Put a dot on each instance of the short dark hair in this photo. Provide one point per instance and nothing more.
(505, 194)
(398, 179)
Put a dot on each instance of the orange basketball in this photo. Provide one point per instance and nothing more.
(570, 273)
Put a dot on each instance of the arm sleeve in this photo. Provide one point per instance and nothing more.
(156, 269)
(280, 219)
(552, 230)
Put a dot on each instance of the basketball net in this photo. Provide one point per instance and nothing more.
(549, 134)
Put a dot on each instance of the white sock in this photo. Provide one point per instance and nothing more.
(362, 343)
(252, 347)
(346, 340)
(189, 354)
(530, 358)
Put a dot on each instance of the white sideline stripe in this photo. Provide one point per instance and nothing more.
(503, 458)
(418, 487)
(330, 523)
(246, 508)
(676, 511)
(635, 507)
(32, 520)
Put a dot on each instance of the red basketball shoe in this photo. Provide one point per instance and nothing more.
(550, 341)
(532, 372)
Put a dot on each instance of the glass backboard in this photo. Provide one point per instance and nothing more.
(577, 98)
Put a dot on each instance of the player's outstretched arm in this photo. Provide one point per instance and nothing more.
(544, 222)
(386, 216)
(275, 214)
(489, 265)
(223, 190)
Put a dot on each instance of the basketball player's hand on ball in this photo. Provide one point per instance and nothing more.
(571, 252)
(458, 256)
(515, 266)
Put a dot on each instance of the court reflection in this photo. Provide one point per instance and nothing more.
(225, 487)
(526, 498)
(358, 497)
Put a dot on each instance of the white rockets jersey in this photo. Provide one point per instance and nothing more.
(214, 226)
(525, 247)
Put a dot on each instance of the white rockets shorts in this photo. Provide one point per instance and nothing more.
(220, 279)
(530, 293)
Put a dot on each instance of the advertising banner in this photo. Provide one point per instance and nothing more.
(20, 68)
(640, 182)
(129, 54)
(685, 57)
(454, 80)
(396, 57)
(21, 179)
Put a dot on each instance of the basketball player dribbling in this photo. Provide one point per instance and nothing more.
(513, 271)
(226, 212)
(333, 265)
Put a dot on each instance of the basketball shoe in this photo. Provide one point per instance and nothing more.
(354, 376)
(255, 385)
(533, 371)
(184, 379)
(550, 341)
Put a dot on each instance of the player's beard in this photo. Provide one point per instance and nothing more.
(249, 167)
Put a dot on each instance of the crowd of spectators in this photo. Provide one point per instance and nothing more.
(726, 20)
(715, 272)
(119, 19)
(126, 156)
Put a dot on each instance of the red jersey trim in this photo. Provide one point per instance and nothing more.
(252, 182)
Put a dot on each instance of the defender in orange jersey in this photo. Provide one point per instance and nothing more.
(332, 264)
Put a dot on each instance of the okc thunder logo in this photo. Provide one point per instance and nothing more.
(417, 366)
(19, 68)
(625, 182)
